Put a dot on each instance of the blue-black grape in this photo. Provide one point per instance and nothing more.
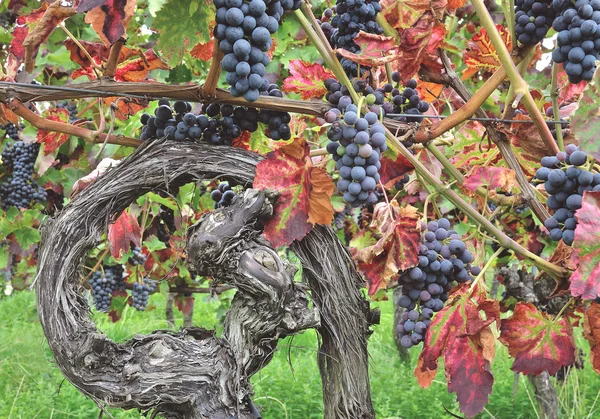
(425, 287)
(19, 189)
(532, 20)
(102, 284)
(565, 181)
(140, 293)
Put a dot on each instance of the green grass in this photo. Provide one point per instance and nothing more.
(32, 387)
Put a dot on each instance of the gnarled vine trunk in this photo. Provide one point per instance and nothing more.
(193, 373)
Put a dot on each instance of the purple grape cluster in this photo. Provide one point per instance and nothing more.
(102, 284)
(444, 261)
(244, 30)
(19, 189)
(348, 18)
(223, 195)
(139, 257)
(565, 180)
(140, 293)
(356, 144)
(71, 107)
(532, 20)
(11, 130)
(578, 39)
(216, 124)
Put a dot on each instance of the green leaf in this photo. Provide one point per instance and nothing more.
(26, 236)
(194, 7)
(154, 244)
(4, 257)
(585, 122)
(179, 31)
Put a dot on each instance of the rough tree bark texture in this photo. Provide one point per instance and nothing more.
(192, 373)
(343, 357)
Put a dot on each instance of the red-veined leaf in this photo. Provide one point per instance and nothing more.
(591, 331)
(110, 19)
(536, 342)
(53, 140)
(305, 192)
(399, 233)
(375, 50)
(585, 281)
(184, 304)
(306, 79)
(418, 43)
(481, 54)
(491, 178)
(122, 232)
(393, 167)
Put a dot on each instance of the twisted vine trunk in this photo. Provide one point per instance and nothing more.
(193, 373)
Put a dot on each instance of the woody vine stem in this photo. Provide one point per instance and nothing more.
(312, 29)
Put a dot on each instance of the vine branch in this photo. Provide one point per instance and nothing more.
(113, 58)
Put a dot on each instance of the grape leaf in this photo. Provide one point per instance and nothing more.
(403, 14)
(418, 43)
(136, 70)
(111, 18)
(463, 337)
(203, 50)
(52, 140)
(491, 178)
(86, 5)
(120, 300)
(585, 123)
(306, 79)
(122, 232)
(98, 50)
(481, 54)
(375, 50)
(585, 281)
(305, 192)
(34, 29)
(399, 237)
(393, 167)
(184, 304)
(591, 331)
(181, 29)
(536, 342)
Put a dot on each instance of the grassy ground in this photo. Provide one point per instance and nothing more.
(289, 387)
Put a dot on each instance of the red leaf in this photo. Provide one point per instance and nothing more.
(306, 79)
(94, 49)
(110, 19)
(375, 50)
(202, 51)
(468, 374)
(184, 304)
(393, 167)
(53, 140)
(399, 235)
(138, 69)
(418, 43)
(126, 106)
(591, 331)
(305, 192)
(403, 14)
(491, 178)
(481, 54)
(119, 301)
(463, 337)
(536, 342)
(585, 281)
(85, 5)
(122, 232)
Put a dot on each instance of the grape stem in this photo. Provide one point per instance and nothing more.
(212, 78)
(521, 87)
(504, 241)
(113, 58)
(491, 260)
(554, 91)
(95, 66)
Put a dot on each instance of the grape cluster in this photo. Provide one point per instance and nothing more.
(140, 293)
(356, 145)
(399, 185)
(216, 124)
(139, 257)
(443, 262)
(223, 195)
(565, 181)
(103, 283)
(532, 20)
(7, 19)
(11, 130)
(352, 16)
(244, 30)
(578, 37)
(19, 189)
(71, 107)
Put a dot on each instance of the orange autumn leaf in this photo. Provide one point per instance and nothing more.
(480, 54)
